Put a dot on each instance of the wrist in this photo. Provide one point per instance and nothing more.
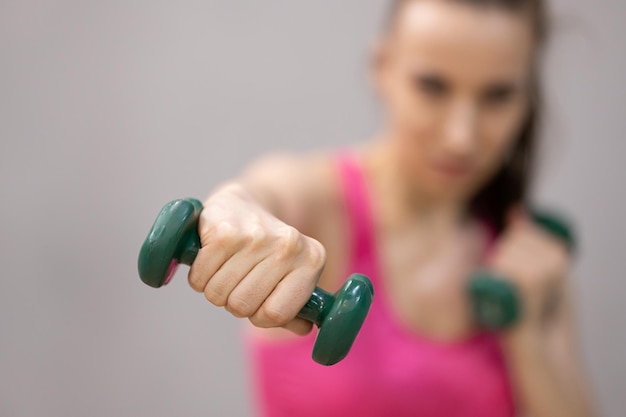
(238, 192)
(524, 338)
(231, 189)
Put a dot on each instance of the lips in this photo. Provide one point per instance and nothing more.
(452, 169)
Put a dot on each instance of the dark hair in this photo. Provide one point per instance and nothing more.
(511, 184)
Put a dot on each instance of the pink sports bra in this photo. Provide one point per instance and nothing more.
(389, 371)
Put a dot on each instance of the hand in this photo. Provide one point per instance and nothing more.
(537, 264)
(252, 264)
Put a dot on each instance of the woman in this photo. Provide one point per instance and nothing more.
(438, 194)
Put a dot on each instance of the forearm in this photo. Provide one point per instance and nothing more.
(281, 185)
(254, 186)
(241, 189)
(543, 388)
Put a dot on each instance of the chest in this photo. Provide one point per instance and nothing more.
(389, 373)
(425, 283)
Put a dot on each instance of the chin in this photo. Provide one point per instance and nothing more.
(448, 189)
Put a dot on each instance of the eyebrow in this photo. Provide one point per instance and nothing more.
(502, 86)
(432, 78)
(497, 86)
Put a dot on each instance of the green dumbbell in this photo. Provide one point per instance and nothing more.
(495, 301)
(174, 240)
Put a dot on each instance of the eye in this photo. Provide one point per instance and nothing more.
(432, 85)
(499, 94)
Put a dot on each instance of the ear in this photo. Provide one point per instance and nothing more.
(379, 52)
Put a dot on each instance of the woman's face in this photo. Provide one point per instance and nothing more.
(455, 81)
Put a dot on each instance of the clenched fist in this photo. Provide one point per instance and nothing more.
(252, 264)
(536, 262)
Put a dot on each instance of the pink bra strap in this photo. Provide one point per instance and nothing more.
(358, 208)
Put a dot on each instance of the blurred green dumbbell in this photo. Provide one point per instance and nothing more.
(174, 240)
(495, 301)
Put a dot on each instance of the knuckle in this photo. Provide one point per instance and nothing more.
(317, 253)
(239, 307)
(214, 293)
(274, 317)
(288, 243)
(195, 282)
(196, 276)
(223, 233)
(255, 235)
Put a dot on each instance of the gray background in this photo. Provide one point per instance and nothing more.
(108, 109)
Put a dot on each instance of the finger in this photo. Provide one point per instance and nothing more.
(228, 276)
(208, 261)
(551, 241)
(246, 298)
(518, 233)
(219, 243)
(517, 252)
(299, 326)
(287, 299)
(530, 246)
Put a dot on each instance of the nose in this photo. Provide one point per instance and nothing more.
(461, 130)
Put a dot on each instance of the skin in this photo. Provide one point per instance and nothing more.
(454, 82)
